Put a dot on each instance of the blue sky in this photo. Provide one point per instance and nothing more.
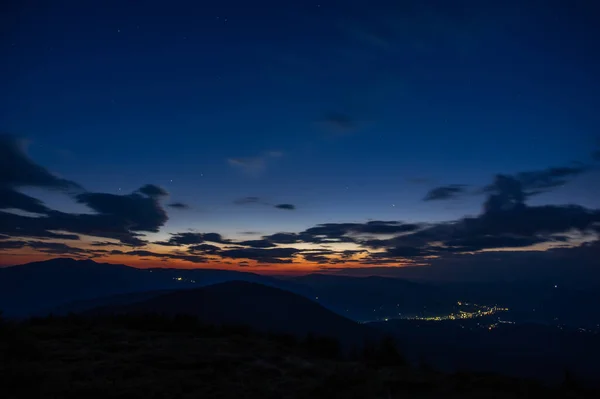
(349, 110)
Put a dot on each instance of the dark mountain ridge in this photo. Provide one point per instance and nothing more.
(40, 287)
(260, 307)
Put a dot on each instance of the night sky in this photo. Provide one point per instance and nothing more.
(297, 136)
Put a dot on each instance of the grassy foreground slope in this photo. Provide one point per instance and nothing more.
(147, 356)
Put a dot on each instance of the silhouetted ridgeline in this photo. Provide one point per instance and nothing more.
(261, 307)
(150, 355)
(55, 285)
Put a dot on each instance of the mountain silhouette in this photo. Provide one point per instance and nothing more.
(40, 287)
(255, 305)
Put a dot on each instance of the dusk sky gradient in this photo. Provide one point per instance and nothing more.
(266, 117)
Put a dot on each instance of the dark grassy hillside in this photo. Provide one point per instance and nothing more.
(147, 356)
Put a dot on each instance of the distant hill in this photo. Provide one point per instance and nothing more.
(39, 287)
(258, 306)
(372, 298)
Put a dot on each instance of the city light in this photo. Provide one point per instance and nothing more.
(481, 311)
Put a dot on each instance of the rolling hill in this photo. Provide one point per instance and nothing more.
(41, 287)
(261, 307)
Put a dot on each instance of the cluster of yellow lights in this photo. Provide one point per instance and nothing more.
(462, 315)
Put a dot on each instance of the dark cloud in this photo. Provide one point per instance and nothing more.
(385, 227)
(477, 243)
(12, 244)
(204, 248)
(549, 178)
(505, 193)
(532, 220)
(348, 253)
(321, 259)
(288, 207)
(319, 256)
(517, 188)
(340, 231)
(178, 205)
(13, 199)
(247, 200)
(37, 227)
(258, 200)
(261, 255)
(284, 238)
(134, 211)
(164, 256)
(400, 252)
(257, 243)
(575, 265)
(189, 238)
(506, 221)
(520, 226)
(17, 170)
(152, 190)
(445, 192)
(117, 217)
(54, 248)
(105, 244)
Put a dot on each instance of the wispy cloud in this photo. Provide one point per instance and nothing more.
(254, 166)
(260, 201)
(445, 192)
(178, 205)
(289, 207)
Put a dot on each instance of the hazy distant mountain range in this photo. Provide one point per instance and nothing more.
(61, 285)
